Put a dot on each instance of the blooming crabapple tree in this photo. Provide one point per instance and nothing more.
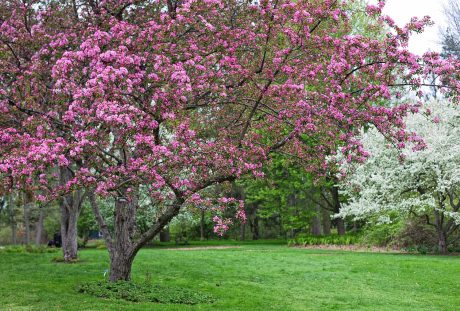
(172, 97)
(424, 182)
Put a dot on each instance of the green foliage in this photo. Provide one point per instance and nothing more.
(99, 244)
(308, 240)
(34, 249)
(284, 192)
(5, 236)
(137, 292)
(381, 234)
(86, 222)
(416, 235)
(52, 222)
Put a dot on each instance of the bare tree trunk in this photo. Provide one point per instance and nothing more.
(28, 201)
(120, 266)
(164, 235)
(39, 227)
(121, 244)
(12, 220)
(202, 226)
(242, 231)
(69, 234)
(316, 222)
(255, 231)
(442, 242)
(121, 253)
(341, 226)
(326, 220)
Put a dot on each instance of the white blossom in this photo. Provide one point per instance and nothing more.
(406, 180)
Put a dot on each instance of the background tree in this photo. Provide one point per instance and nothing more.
(411, 181)
(451, 35)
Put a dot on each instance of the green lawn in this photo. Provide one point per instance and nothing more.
(252, 277)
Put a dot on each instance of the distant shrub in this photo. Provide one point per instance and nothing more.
(381, 235)
(136, 292)
(5, 236)
(307, 240)
(28, 249)
(99, 244)
(416, 235)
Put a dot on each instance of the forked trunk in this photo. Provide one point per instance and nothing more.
(121, 243)
(121, 249)
(70, 210)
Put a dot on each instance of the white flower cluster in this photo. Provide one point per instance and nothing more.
(406, 180)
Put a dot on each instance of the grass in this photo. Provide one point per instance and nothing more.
(250, 277)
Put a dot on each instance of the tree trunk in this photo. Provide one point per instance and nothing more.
(316, 222)
(120, 266)
(39, 227)
(242, 231)
(255, 231)
(69, 235)
(121, 251)
(202, 226)
(70, 210)
(28, 201)
(121, 244)
(326, 222)
(341, 226)
(442, 242)
(12, 220)
(164, 235)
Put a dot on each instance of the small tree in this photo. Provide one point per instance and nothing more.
(451, 35)
(408, 180)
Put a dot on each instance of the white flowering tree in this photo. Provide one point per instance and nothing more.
(409, 179)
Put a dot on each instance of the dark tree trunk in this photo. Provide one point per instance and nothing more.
(316, 221)
(341, 226)
(39, 227)
(242, 231)
(439, 222)
(442, 242)
(255, 228)
(326, 222)
(202, 226)
(164, 235)
(336, 208)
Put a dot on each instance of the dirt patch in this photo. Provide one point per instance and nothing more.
(199, 248)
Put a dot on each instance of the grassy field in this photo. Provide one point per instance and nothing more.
(250, 277)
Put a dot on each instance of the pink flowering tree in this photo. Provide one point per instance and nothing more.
(170, 98)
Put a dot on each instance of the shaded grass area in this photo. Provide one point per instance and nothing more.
(251, 277)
